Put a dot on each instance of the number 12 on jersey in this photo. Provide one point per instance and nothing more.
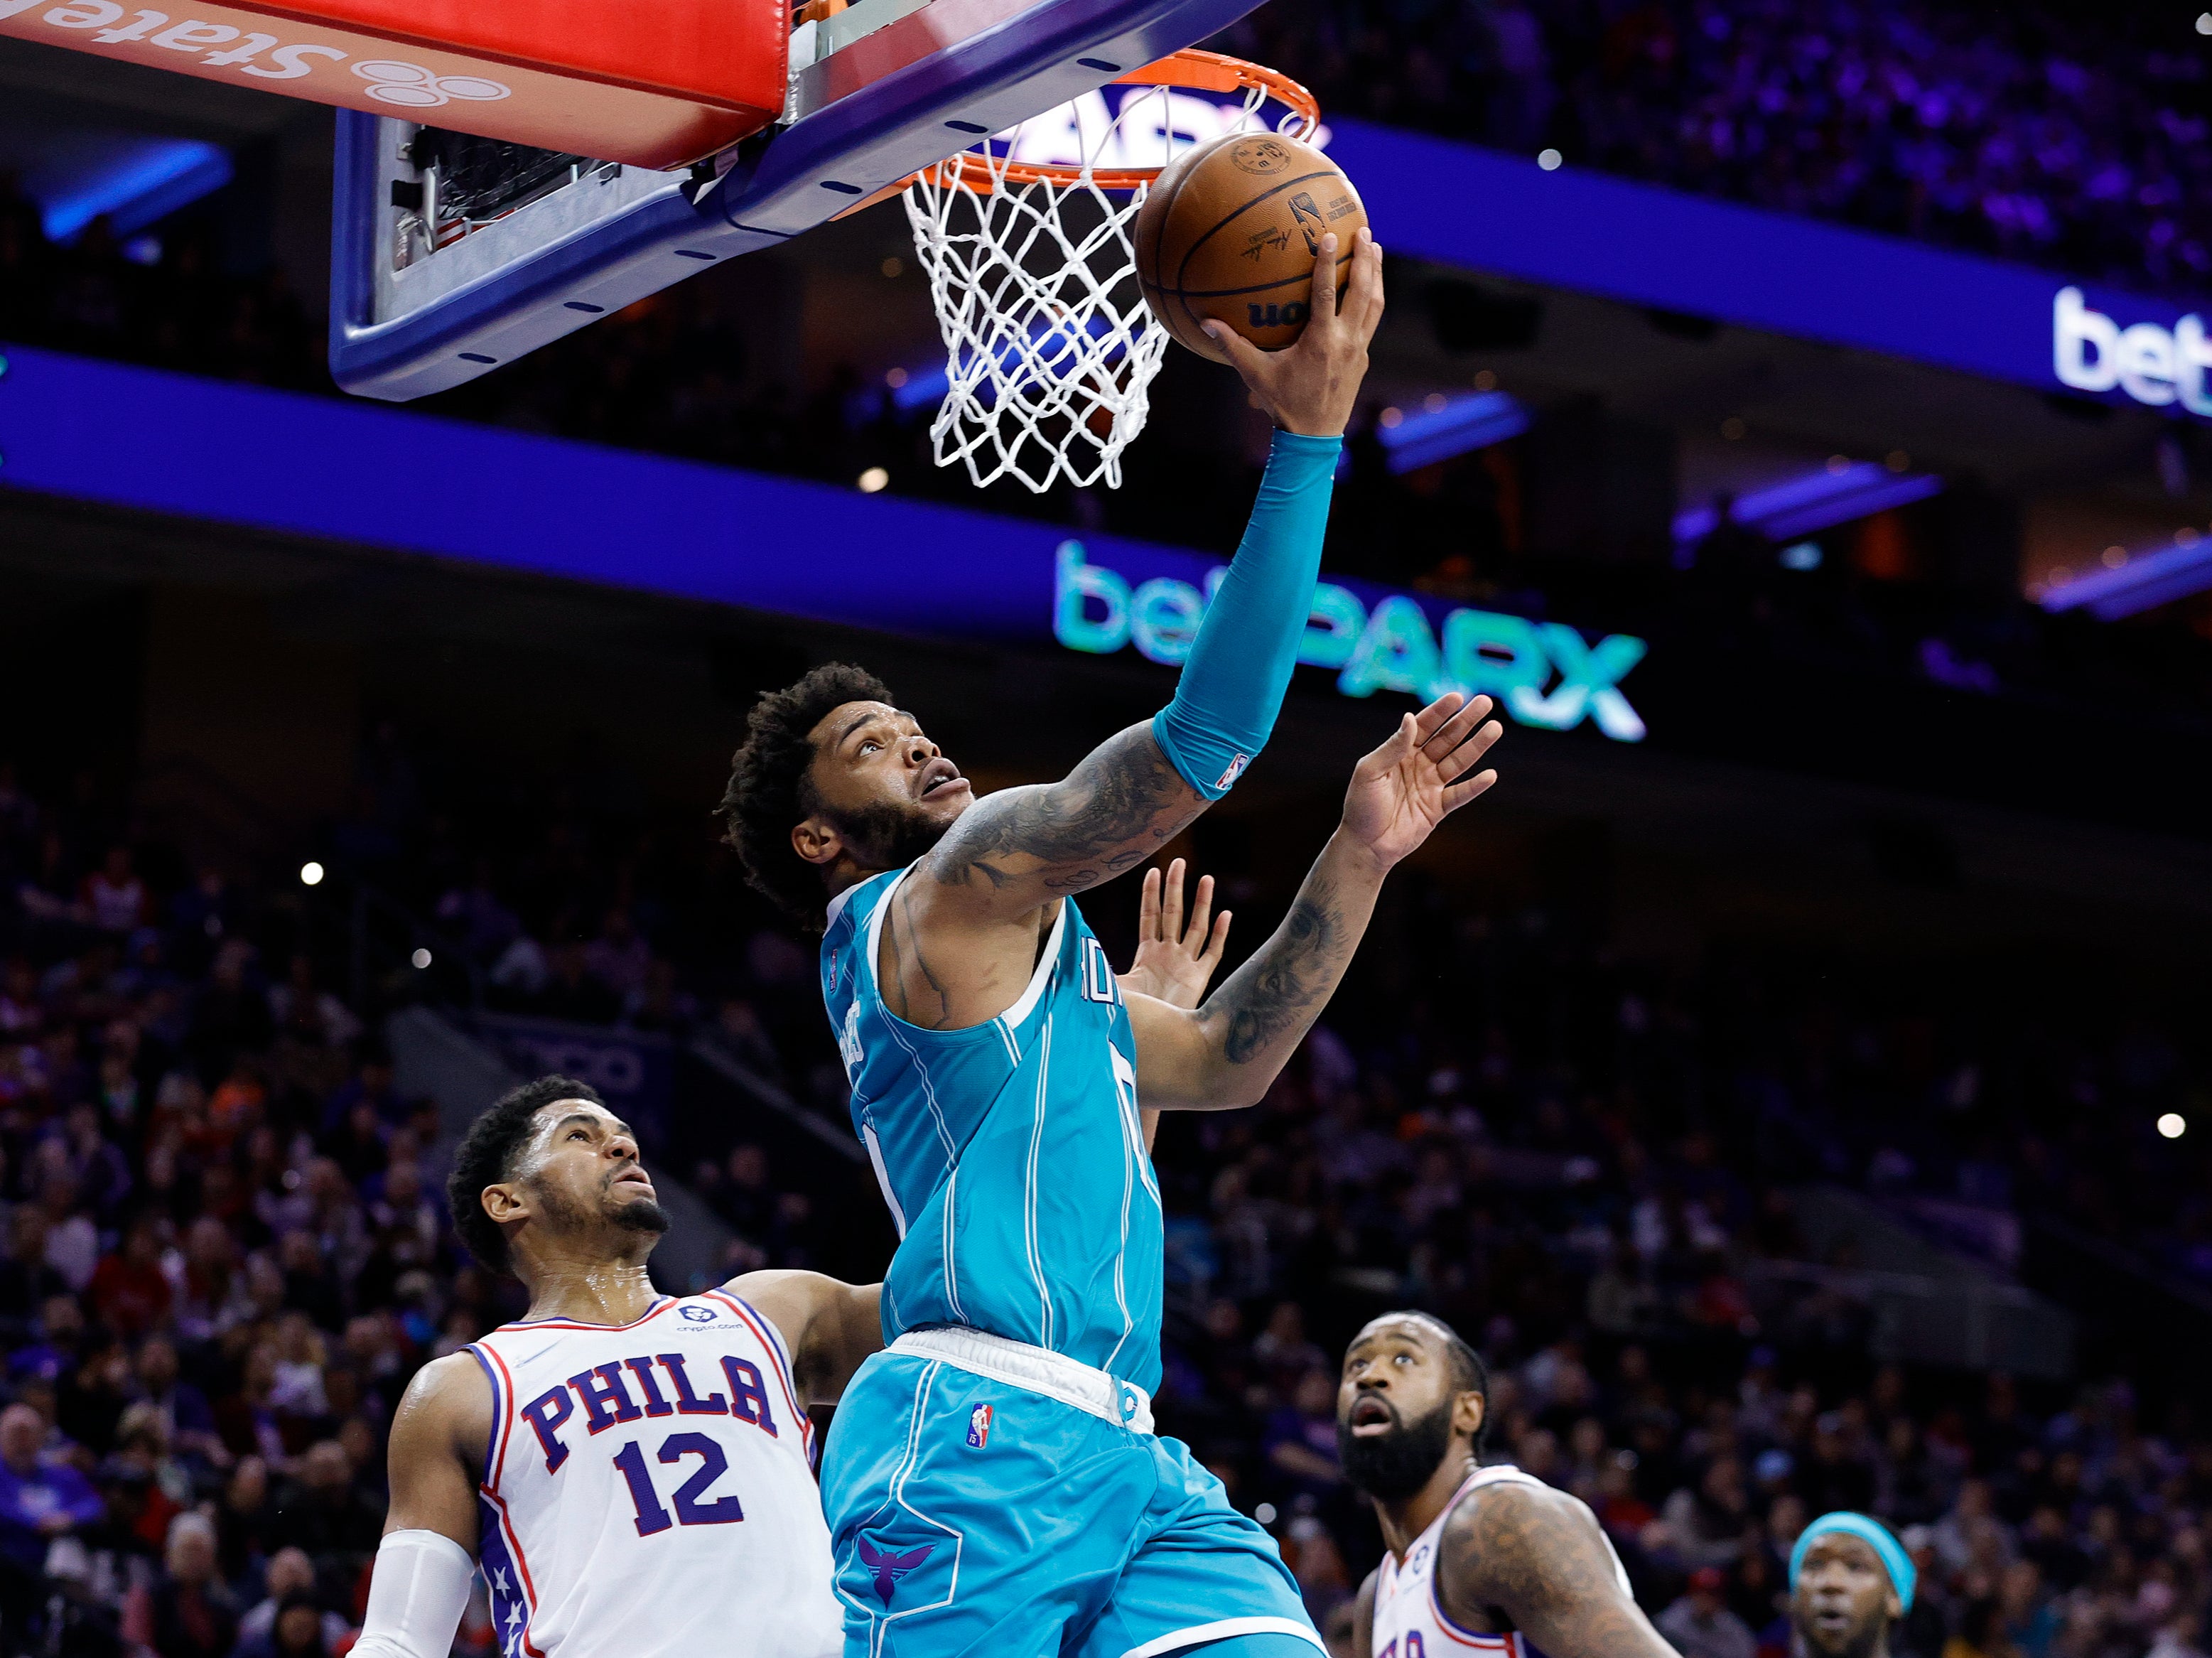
(690, 1510)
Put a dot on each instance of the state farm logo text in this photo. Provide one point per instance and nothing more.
(136, 31)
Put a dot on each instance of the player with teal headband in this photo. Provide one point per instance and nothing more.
(1850, 1581)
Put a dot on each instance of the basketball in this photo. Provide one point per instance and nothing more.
(1231, 231)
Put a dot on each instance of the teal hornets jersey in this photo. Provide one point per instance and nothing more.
(1011, 1153)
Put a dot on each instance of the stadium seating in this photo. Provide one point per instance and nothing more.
(227, 1251)
(2056, 133)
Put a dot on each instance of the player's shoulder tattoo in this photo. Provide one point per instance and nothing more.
(1513, 1545)
(1115, 810)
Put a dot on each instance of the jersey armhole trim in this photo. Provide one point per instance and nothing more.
(1048, 963)
(511, 1540)
(760, 1326)
(766, 1328)
(1488, 1640)
(1000, 1023)
(1499, 1474)
(502, 1403)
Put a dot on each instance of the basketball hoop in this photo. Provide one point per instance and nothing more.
(1050, 349)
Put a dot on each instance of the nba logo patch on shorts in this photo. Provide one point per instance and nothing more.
(979, 1427)
(1236, 770)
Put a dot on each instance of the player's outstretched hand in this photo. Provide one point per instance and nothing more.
(1404, 789)
(1174, 962)
(1313, 386)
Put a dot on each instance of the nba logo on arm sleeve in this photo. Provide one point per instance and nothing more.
(979, 1427)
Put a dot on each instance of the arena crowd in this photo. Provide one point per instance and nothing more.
(2052, 132)
(226, 1249)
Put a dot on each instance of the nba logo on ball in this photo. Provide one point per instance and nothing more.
(979, 1427)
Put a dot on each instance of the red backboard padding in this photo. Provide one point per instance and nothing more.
(649, 82)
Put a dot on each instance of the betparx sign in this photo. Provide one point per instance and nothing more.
(1541, 673)
(2152, 364)
(315, 467)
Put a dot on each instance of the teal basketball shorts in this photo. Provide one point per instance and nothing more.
(970, 1513)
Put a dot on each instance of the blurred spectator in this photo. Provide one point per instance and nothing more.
(289, 1577)
(1283, 1349)
(2177, 1638)
(2030, 1614)
(1980, 1633)
(1971, 1533)
(114, 898)
(1705, 1526)
(128, 1290)
(1700, 1625)
(300, 1629)
(1301, 1438)
(190, 1613)
(1312, 1555)
(619, 958)
(321, 1512)
(40, 1500)
(187, 1417)
(302, 1009)
(27, 1279)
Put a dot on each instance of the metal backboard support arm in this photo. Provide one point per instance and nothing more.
(888, 104)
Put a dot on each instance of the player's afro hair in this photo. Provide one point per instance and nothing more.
(486, 1157)
(768, 791)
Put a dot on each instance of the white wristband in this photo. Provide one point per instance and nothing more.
(415, 1597)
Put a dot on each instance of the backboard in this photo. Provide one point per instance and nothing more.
(451, 255)
(658, 85)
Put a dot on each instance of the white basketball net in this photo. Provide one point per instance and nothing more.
(1050, 349)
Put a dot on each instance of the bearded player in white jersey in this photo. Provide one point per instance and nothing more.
(1483, 1560)
(634, 1471)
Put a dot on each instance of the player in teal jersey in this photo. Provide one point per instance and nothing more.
(991, 1481)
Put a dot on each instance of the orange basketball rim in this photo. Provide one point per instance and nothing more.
(1192, 68)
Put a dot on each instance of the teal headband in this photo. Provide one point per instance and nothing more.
(1894, 1559)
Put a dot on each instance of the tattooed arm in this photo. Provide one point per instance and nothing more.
(1018, 848)
(1537, 1556)
(1226, 1052)
(963, 932)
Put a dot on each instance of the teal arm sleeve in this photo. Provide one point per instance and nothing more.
(1240, 664)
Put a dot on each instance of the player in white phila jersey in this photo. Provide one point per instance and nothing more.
(1484, 1561)
(634, 1471)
